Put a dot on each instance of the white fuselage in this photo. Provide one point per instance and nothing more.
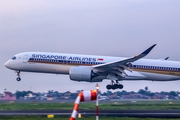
(60, 63)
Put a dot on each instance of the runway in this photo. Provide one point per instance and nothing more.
(114, 113)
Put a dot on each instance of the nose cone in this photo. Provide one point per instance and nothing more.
(7, 64)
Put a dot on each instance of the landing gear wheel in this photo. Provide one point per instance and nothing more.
(120, 86)
(18, 79)
(114, 85)
(109, 87)
(18, 74)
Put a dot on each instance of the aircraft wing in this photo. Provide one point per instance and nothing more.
(118, 67)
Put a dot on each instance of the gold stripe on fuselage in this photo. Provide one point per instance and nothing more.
(158, 71)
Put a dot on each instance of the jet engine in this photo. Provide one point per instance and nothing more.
(81, 74)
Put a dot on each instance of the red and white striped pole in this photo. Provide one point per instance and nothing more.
(97, 103)
(83, 97)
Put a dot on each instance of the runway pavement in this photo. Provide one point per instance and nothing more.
(115, 113)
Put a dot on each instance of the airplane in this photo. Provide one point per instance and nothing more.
(91, 68)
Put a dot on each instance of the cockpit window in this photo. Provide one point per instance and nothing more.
(14, 58)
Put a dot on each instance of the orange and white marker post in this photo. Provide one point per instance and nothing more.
(97, 103)
(83, 97)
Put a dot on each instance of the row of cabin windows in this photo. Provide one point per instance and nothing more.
(49, 60)
(93, 63)
(153, 67)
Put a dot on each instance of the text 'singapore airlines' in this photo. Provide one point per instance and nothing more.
(91, 68)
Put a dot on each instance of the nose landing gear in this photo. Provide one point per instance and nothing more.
(114, 85)
(18, 74)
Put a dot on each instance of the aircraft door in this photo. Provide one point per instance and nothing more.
(65, 61)
(25, 59)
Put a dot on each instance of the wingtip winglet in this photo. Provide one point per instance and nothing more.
(167, 58)
(149, 49)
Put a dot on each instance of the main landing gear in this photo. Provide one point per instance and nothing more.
(18, 74)
(114, 85)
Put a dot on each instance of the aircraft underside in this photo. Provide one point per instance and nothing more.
(115, 80)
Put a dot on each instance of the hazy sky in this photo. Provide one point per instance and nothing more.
(104, 27)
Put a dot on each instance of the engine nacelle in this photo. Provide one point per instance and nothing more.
(80, 74)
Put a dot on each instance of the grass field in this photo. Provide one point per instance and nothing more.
(163, 105)
(83, 118)
(126, 105)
